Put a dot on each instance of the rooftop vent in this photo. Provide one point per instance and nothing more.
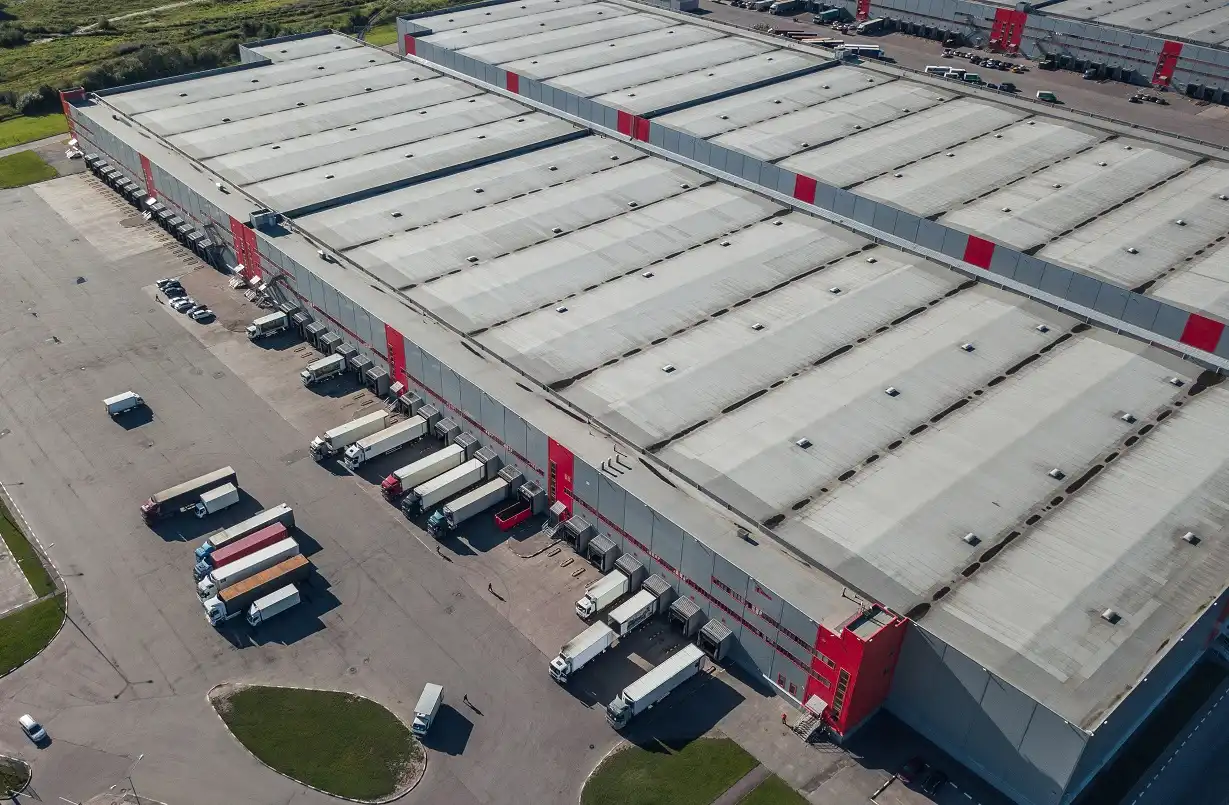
(1056, 185)
(757, 327)
(633, 203)
(1126, 148)
(1180, 222)
(1110, 616)
(479, 190)
(951, 153)
(183, 94)
(614, 157)
(725, 243)
(1032, 122)
(1007, 209)
(872, 259)
(668, 368)
(1191, 537)
(998, 136)
(898, 175)
(471, 259)
(777, 101)
(804, 443)
(1102, 164)
(226, 120)
(1177, 381)
(725, 117)
(1043, 328)
(971, 538)
(561, 309)
(396, 215)
(968, 347)
(1223, 197)
(552, 167)
(409, 156)
(804, 144)
(1128, 418)
(891, 391)
(1132, 250)
(834, 290)
(648, 275)
(685, 186)
(557, 229)
(1057, 474)
(776, 223)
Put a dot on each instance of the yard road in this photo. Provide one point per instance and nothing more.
(129, 673)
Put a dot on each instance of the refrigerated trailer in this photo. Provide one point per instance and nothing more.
(385, 442)
(268, 325)
(577, 652)
(601, 594)
(322, 369)
(462, 508)
(426, 496)
(281, 513)
(334, 440)
(215, 500)
(275, 603)
(182, 497)
(632, 613)
(654, 686)
(421, 471)
(223, 577)
(234, 600)
(240, 548)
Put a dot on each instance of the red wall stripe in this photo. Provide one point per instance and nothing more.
(148, 170)
(978, 251)
(625, 123)
(1202, 333)
(396, 355)
(410, 45)
(642, 129)
(564, 465)
(864, 10)
(804, 188)
(512, 83)
(1166, 63)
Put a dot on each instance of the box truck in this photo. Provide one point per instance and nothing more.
(601, 594)
(460, 509)
(272, 604)
(240, 548)
(215, 500)
(182, 497)
(654, 686)
(425, 497)
(333, 441)
(384, 442)
(428, 705)
(268, 325)
(577, 652)
(323, 369)
(234, 600)
(122, 402)
(220, 578)
(280, 513)
(421, 471)
(632, 613)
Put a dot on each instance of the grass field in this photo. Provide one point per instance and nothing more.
(20, 547)
(13, 776)
(773, 791)
(57, 63)
(382, 35)
(19, 130)
(27, 632)
(338, 743)
(695, 774)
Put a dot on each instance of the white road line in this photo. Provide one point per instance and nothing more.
(30, 532)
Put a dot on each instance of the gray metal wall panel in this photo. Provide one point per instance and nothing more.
(1030, 270)
(734, 161)
(471, 399)
(414, 364)
(801, 627)
(570, 104)
(864, 211)
(1140, 310)
(718, 156)
(638, 522)
(1084, 290)
(760, 653)
(884, 218)
(697, 563)
(825, 196)
(1222, 347)
(785, 673)
(1111, 301)
(431, 373)
(450, 386)
(786, 182)
(362, 324)
(770, 175)
(906, 226)
(1170, 321)
(670, 139)
(492, 417)
(657, 135)
(668, 544)
(585, 483)
(1003, 261)
(346, 310)
(762, 598)
(930, 235)
(379, 340)
(731, 576)
(751, 169)
(536, 448)
(611, 500)
(844, 203)
(701, 149)
(1055, 280)
(331, 305)
(515, 437)
(954, 243)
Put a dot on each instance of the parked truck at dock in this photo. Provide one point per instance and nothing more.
(185, 496)
(215, 500)
(577, 652)
(322, 370)
(632, 613)
(472, 503)
(384, 442)
(240, 548)
(275, 603)
(601, 594)
(234, 600)
(334, 440)
(654, 686)
(280, 513)
(421, 471)
(271, 324)
(229, 575)
(426, 496)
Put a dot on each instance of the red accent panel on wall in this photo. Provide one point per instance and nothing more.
(149, 175)
(254, 265)
(642, 129)
(563, 463)
(1202, 332)
(1016, 33)
(396, 355)
(65, 97)
(626, 122)
(864, 10)
(978, 251)
(1166, 63)
(410, 45)
(513, 83)
(804, 188)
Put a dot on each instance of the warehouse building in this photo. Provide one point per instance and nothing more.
(865, 425)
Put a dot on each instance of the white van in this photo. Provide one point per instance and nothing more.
(937, 69)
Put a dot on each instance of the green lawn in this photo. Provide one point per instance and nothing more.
(338, 743)
(20, 547)
(773, 791)
(695, 774)
(13, 776)
(381, 35)
(26, 632)
(19, 130)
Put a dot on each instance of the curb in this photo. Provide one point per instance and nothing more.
(57, 580)
(29, 775)
(619, 746)
(393, 798)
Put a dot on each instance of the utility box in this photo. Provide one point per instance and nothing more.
(447, 429)
(490, 461)
(411, 401)
(715, 639)
(360, 365)
(377, 380)
(577, 531)
(432, 415)
(349, 352)
(631, 567)
(535, 495)
(686, 616)
(661, 589)
(467, 443)
(329, 342)
(602, 552)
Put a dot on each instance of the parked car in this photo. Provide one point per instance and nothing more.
(33, 730)
(992, 86)
(1089, 75)
(165, 281)
(174, 292)
(1007, 86)
(933, 782)
(183, 304)
(201, 314)
(913, 771)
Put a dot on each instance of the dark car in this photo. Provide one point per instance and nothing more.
(913, 771)
(1007, 86)
(933, 782)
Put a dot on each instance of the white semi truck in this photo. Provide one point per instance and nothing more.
(280, 513)
(272, 324)
(426, 496)
(632, 613)
(275, 603)
(230, 575)
(601, 594)
(334, 440)
(384, 442)
(215, 500)
(322, 370)
(474, 502)
(577, 652)
(654, 686)
(421, 471)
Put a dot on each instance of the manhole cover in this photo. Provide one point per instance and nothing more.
(4, 433)
(219, 375)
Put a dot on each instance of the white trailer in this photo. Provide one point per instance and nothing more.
(323, 369)
(272, 604)
(281, 513)
(229, 575)
(601, 594)
(632, 613)
(430, 494)
(334, 440)
(474, 502)
(215, 500)
(422, 470)
(268, 325)
(384, 442)
(122, 402)
(654, 686)
(577, 652)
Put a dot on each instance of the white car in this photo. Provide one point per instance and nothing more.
(33, 730)
(183, 304)
(201, 314)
